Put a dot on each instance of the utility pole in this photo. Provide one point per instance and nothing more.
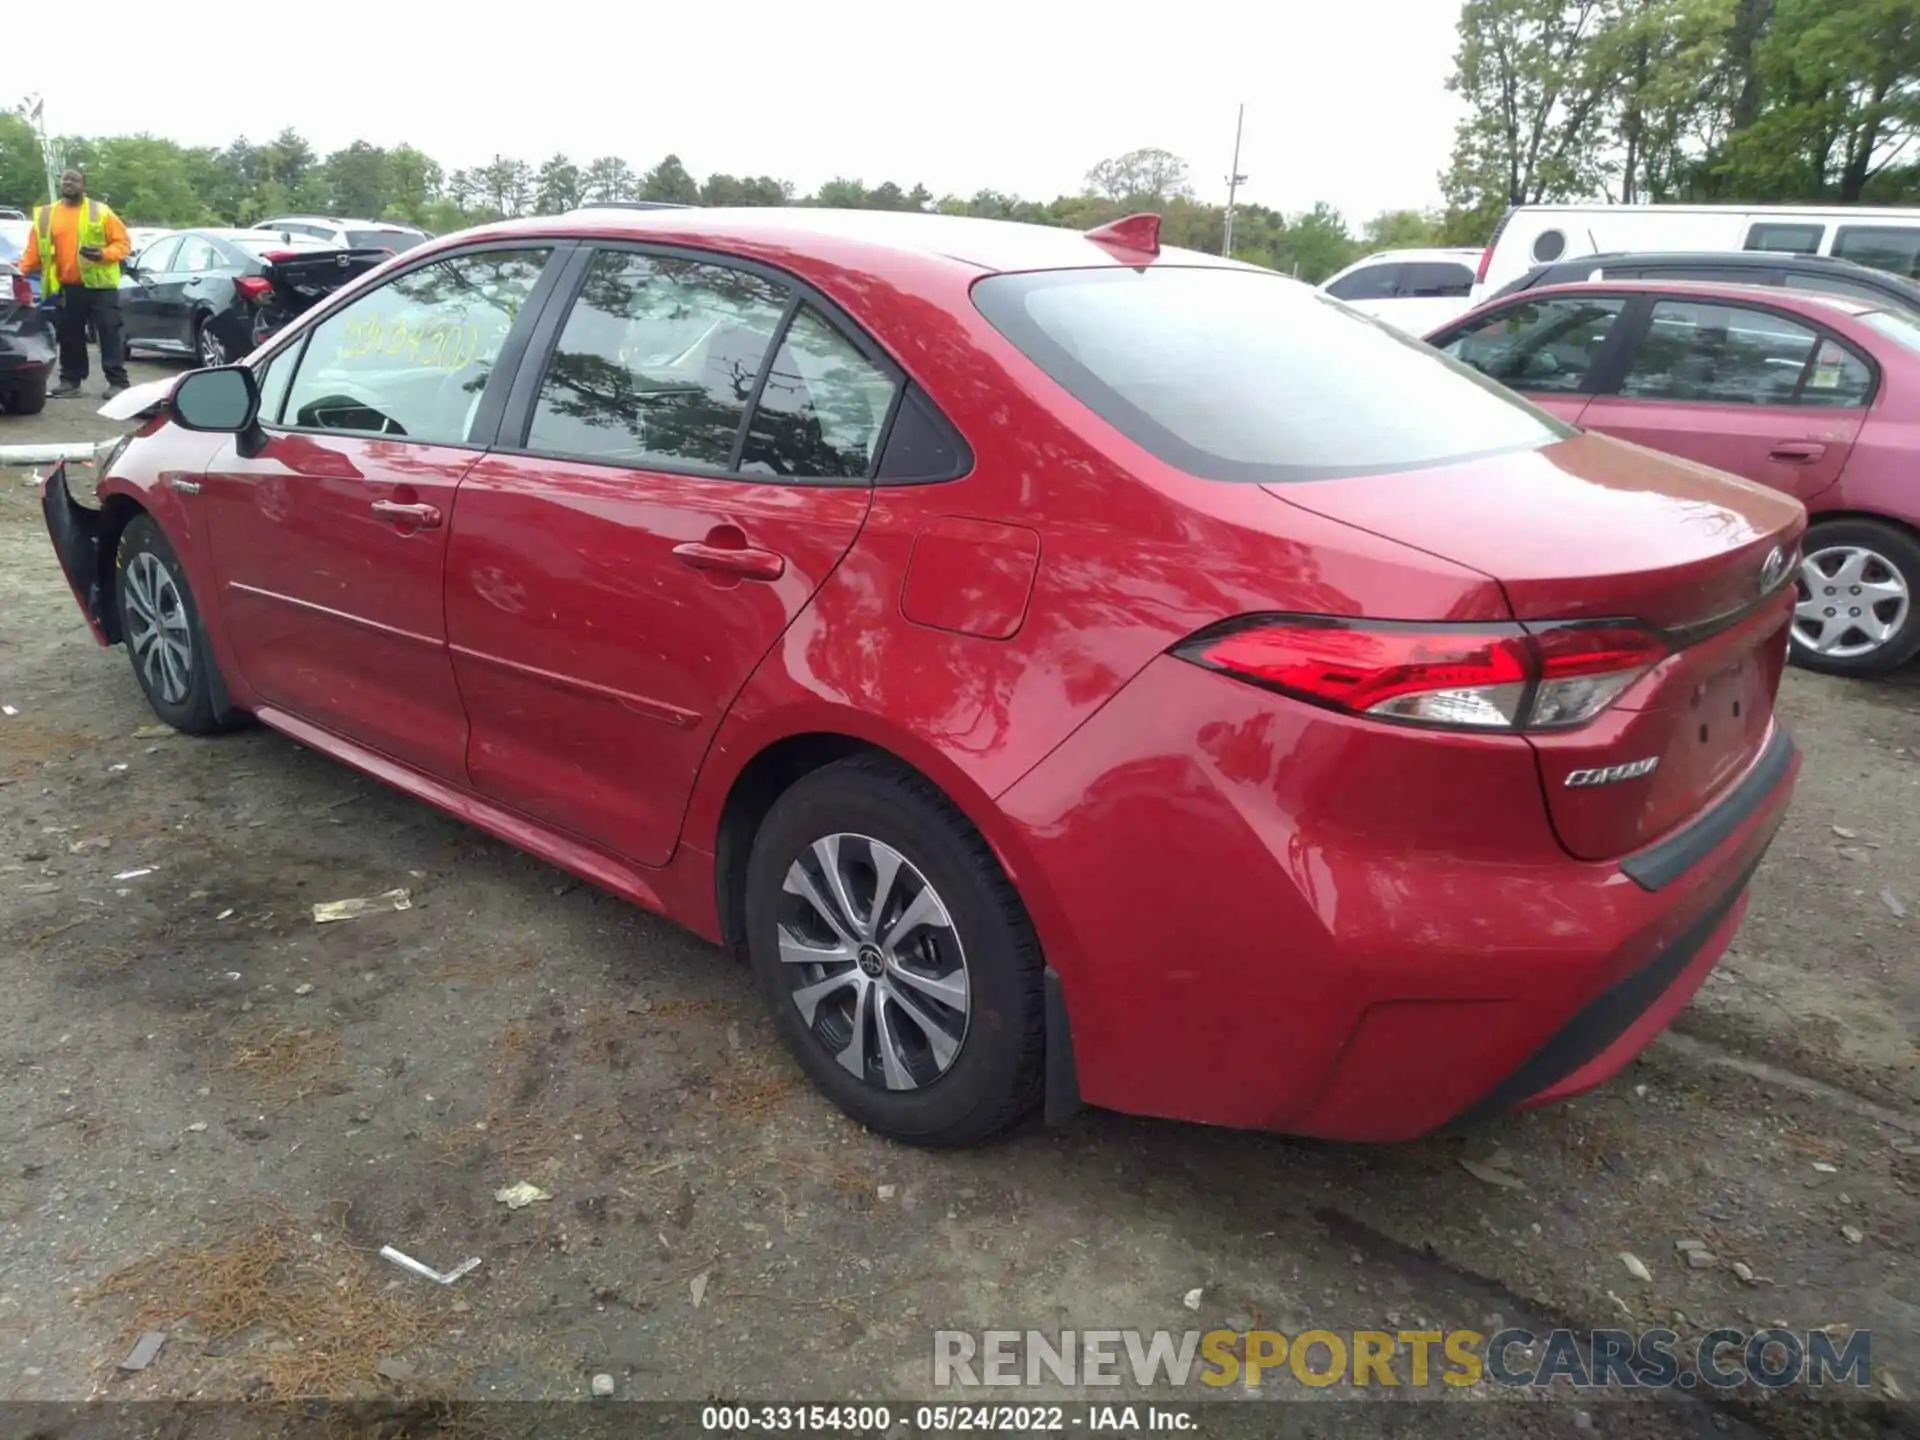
(33, 110)
(1234, 181)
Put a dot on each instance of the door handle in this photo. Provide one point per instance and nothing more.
(420, 517)
(1797, 452)
(748, 564)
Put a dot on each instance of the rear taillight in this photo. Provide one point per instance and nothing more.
(253, 288)
(22, 291)
(1472, 677)
(1486, 259)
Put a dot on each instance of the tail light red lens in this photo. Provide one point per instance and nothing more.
(1486, 259)
(1470, 677)
(22, 291)
(253, 288)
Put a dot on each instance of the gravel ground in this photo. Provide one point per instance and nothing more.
(218, 1112)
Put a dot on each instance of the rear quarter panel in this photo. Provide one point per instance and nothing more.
(1132, 558)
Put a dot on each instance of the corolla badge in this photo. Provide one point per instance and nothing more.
(1773, 570)
(1612, 774)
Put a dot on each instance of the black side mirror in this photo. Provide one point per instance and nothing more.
(224, 401)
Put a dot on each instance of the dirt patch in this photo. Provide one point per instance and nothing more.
(283, 1064)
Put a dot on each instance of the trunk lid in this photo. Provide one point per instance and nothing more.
(1597, 529)
(301, 279)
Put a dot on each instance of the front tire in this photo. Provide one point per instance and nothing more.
(164, 635)
(208, 347)
(1859, 586)
(898, 963)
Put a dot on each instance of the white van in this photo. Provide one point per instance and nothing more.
(1531, 235)
(1412, 290)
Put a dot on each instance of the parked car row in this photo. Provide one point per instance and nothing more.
(215, 294)
(1069, 669)
(1816, 395)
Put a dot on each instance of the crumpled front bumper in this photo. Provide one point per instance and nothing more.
(75, 531)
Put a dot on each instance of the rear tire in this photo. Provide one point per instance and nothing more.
(29, 397)
(924, 1019)
(165, 638)
(1858, 608)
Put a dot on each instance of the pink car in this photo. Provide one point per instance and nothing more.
(1816, 395)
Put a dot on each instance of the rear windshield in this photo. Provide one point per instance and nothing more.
(394, 240)
(1896, 325)
(1245, 375)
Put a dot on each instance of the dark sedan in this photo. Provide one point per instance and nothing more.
(26, 344)
(215, 294)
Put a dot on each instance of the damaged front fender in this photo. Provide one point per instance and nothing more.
(75, 530)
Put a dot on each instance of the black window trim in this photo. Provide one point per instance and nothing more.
(1603, 363)
(1639, 319)
(521, 399)
(486, 420)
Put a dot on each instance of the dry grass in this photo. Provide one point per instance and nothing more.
(25, 744)
(751, 1091)
(282, 1063)
(475, 970)
(270, 1284)
(682, 1009)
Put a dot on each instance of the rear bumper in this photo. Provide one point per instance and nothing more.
(1269, 916)
(27, 350)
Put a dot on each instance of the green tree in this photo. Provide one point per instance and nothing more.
(1140, 175)
(559, 187)
(841, 194)
(610, 179)
(504, 186)
(1317, 243)
(359, 181)
(1839, 100)
(287, 158)
(145, 179)
(669, 182)
(23, 178)
(1401, 230)
(414, 184)
(1536, 104)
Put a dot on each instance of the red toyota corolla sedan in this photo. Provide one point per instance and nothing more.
(1817, 395)
(1067, 668)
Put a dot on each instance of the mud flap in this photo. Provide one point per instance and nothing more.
(1062, 1075)
(75, 532)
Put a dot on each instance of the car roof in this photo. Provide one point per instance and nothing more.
(336, 220)
(1754, 259)
(982, 245)
(1447, 253)
(1771, 295)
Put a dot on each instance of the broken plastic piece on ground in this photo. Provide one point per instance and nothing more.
(144, 1350)
(361, 905)
(8, 710)
(134, 874)
(427, 1272)
(520, 1194)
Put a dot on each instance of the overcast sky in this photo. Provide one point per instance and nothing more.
(1345, 101)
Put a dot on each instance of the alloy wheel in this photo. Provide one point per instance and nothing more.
(874, 963)
(212, 351)
(158, 632)
(1852, 601)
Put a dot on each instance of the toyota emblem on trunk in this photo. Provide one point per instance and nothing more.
(1773, 570)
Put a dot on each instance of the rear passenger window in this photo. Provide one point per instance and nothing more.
(1884, 248)
(822, 408)
(1433, 279)
(1544, 346)
(1370, 282)
(657, 362)
(1722, 354)
(1790, 239)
